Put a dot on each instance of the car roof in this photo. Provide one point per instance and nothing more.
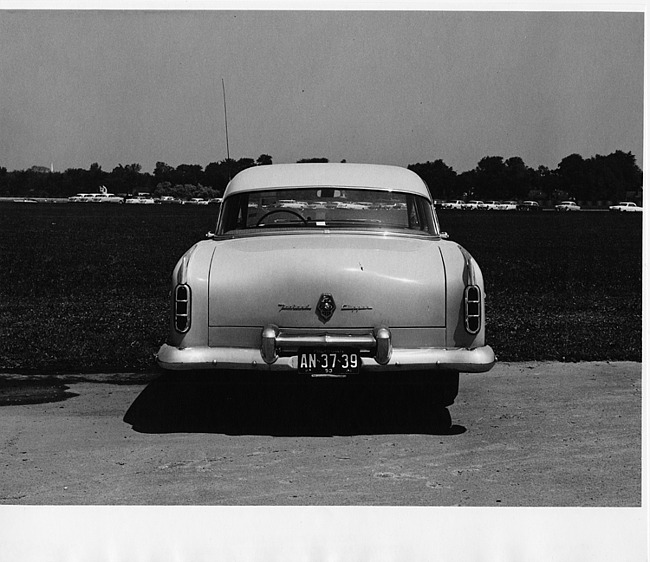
(363, 176)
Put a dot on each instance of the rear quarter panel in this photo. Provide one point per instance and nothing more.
(458, 277)
(193, 268)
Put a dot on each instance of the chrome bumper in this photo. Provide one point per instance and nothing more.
(477, 360)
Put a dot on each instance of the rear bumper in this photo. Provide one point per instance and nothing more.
(477, 360)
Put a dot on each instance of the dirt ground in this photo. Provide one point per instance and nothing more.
(524, 434)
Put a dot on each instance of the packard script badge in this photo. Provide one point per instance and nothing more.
(325, 307)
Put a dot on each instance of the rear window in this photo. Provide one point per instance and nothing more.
(331, 208)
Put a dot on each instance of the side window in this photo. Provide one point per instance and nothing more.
(234, 213)
(420, 214)
(416, 220)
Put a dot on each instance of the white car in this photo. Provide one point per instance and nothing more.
(81, 198)
(491, 205)
(103, 197)
(626, 207)
(167, 199)
(567, 206)
(507, 206)
(474, 205)
(333, 292)
(141, 199)
(291, 204)
(456, 205)
(529, 207)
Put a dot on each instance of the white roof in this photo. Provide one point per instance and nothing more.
(362, 176)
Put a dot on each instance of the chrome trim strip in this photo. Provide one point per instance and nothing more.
(365, 341)
(181, 277)
(251, 233)
(477, 360)
(471, 279)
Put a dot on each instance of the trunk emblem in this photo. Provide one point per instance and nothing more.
(290, 307)
(325, 307)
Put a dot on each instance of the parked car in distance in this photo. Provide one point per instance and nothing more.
(531, 206)
(567, 206)
(366, 294)
(102, 197)
(456, 205)
(168, 199)
(141, 199)
(626, 207)
(80, 198)
(106, 197)
(491, 205)
(474, 205)
(507, 206)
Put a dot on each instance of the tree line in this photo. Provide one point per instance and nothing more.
(614, 177)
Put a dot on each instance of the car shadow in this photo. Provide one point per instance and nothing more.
(176, 403)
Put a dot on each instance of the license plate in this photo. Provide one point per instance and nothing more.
(328, 362)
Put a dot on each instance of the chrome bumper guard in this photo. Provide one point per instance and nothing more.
(276, 343)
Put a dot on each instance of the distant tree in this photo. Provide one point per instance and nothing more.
(162, 172)
(95, 174)
(440, 178)
(125, 179)
(244, 163)
(599, 178)
(187, 174)
(547, 182)
(518, 180)
(572, 174)
(4, 184)
(216, 176)
(614, 176)
(465, 185)
(39, 169)
(490, 179)
(162, 188)
(313, 160)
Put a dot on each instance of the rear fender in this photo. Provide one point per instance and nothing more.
(192, 269)
(461, 271)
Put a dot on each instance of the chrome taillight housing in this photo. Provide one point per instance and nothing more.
(472, 309)
(182, 307)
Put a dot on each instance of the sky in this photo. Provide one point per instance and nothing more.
(392, 87)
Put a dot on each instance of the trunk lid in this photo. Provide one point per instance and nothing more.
(374, 280)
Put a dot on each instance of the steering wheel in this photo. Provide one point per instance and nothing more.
(290, 211)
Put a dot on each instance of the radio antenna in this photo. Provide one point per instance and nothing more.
(225, 117)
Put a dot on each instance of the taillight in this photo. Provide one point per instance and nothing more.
(472, 309)
(182, 307)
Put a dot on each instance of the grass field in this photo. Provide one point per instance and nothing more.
(84, 288)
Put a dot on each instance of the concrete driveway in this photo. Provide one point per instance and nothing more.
(525, 434)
